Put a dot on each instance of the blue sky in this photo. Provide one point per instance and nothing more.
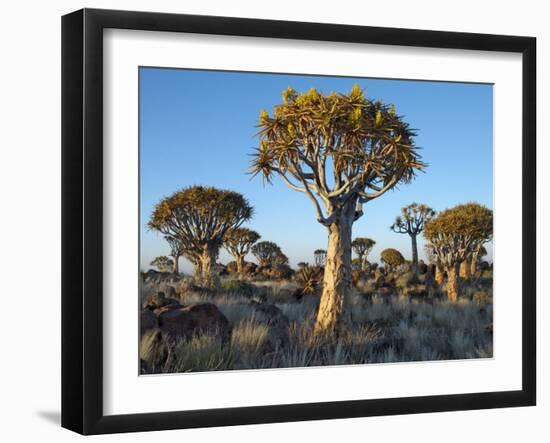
(198, 127)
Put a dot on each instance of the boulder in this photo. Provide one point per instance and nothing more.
(277, 324)
(158, 300)
(147, 320)
(196, 319)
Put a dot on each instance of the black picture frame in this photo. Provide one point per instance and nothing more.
(82, 216)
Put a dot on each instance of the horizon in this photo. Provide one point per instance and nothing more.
(189, 117)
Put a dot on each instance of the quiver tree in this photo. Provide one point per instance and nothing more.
(199, 217)
(362, 247)
(266, 252)
(238, 242)
(341, 151)
(280, 259)
(454, 236)
(195, 258)
(163, 263)
(392, 258)
(356, 264)
(320, 257)
(411, 222)
(476, 258)
(176, 251)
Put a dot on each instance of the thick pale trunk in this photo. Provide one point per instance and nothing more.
(465, 269)
(439, 277)
(414, 255)
(337, 275)
(207, 261)
(361, 262)
(197, 269)
(239, 260)
(452, 283)
(176, 267)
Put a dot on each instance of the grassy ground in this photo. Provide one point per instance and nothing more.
(380, 329)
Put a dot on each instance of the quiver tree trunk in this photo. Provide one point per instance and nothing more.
(176, 267)
(239, 260)
(414, 255)
(337, 274)
(465, 269)
(361, 262)
(197, 269)
(452, 283)
(209, 279)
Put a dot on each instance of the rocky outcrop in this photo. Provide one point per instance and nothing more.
(200, 318)
(277, 325)
(147, 321)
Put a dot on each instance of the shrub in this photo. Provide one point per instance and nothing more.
(392, 258)
(309, 279)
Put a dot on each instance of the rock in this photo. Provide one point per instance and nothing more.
(199, 318)
(158, 300)
(147, 320)
(277, 323)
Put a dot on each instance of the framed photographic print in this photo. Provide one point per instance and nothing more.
(269, 221)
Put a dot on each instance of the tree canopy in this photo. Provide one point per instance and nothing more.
(238, 241)
(163, 263)
(412, 219)
(392, 258)
(335, 148)
(456, 233)
(200, 214)
(266, 252)
(362, 246)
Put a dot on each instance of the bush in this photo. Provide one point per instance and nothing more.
(277, 272)
(309, 279)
